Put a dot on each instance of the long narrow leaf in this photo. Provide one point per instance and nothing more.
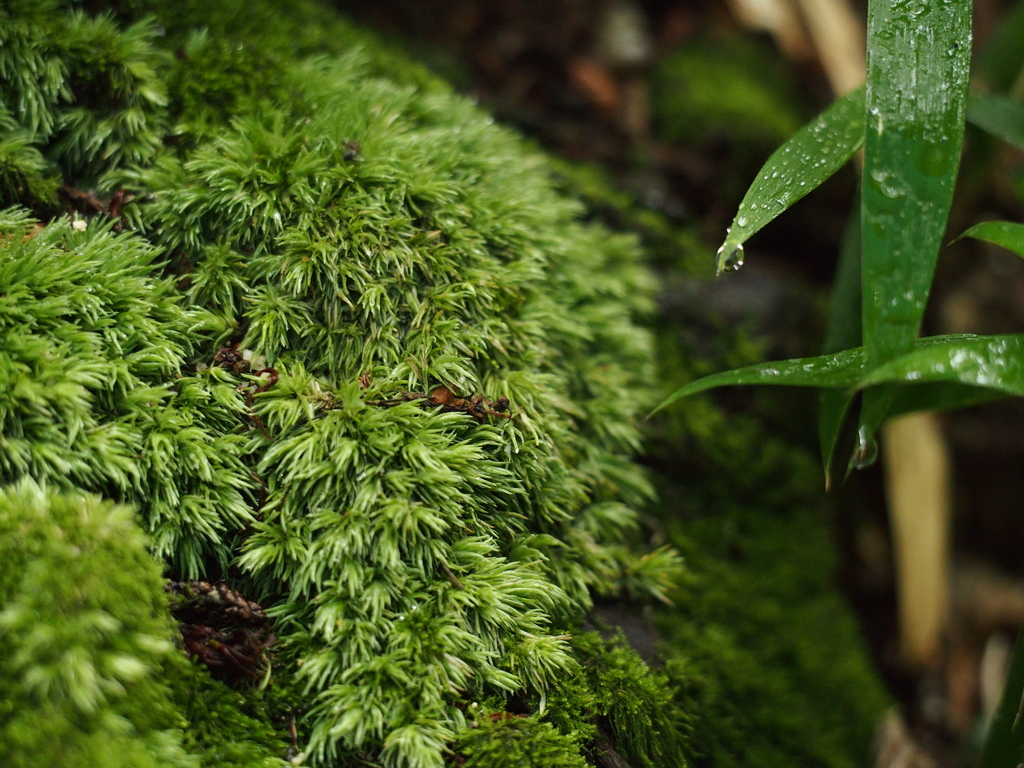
(807, 159)
(1005, 234)
(841, 369)
(1004, 744)
(991, 362)
(940, 396)
(918, 60)
(843, 332)
(848, 369)
(1001, 116)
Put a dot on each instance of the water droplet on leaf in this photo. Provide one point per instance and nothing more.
(729, 258)
(866, 452)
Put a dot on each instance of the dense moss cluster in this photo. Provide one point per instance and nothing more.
(610, 709)
(254, 185)
(763, 659)
(82, 630)
(90, 676)
(236, 240)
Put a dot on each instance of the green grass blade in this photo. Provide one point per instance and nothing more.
(841, 369)
(959, 360)
(1001, 116)
(843, 329)
(1005, 234)
(918, 62)
(842, 332)
(1004, 744)
(991, 362)
(918, 59)
(807, 159)
(940, 396)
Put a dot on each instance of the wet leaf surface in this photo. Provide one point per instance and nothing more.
(918, 63)
(842, 332)
(840, 369)
(1005, 234)
(955, 365)
(807, 159)
(992, 362)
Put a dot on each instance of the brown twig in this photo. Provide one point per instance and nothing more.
(452, 576)
(272, 379)
(90, 201)
(447, 401)
(84, 198)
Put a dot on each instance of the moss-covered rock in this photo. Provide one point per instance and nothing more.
(293, 263)
(229, 728)
(762, 655)
(290, 235)
(500, 740)
(766, 656)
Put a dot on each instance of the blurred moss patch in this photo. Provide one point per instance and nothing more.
(732, 89)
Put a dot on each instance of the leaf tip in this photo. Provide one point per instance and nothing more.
(729, 258)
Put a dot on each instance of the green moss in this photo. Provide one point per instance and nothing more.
(756, 673)
(307, 197)
(228, 728)
(768, 658)
(763, 658)
(26, 179)
(91, 347)
(365, 236)
(90, 675)
(632, 704)
(506, 741)
(83, 628)
(216, 79)
(82, 85)
(608, 700)
(725, 88)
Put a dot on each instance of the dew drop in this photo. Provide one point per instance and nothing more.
(729, 258)
(866, 453)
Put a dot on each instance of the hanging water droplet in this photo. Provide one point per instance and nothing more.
(729, 258)
(866, 453)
